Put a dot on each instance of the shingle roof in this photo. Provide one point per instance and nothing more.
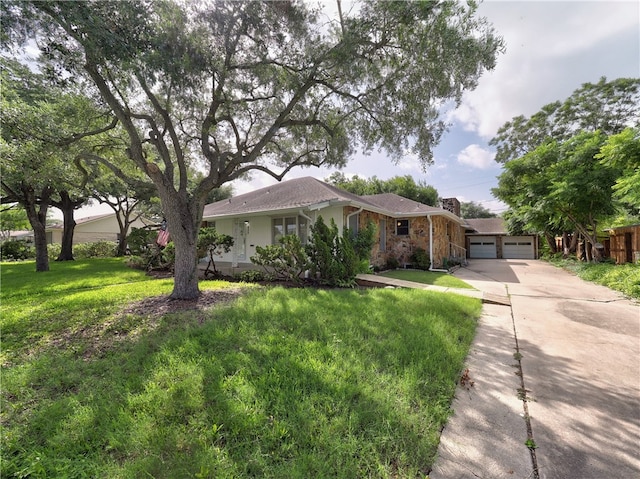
(296, 193)
(494, 226)
(306, 192)
(399, 204)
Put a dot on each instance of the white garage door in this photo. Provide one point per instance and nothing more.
(518, 247)
(482, 247)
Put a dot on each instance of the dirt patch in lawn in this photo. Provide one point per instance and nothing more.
(159, 305)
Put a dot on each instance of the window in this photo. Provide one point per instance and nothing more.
(383, 235)
(290, 225)
(402, 227)
(353, 224)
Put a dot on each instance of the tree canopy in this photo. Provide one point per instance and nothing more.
(404, 186)
(471, 209)
(233, 87)
(575, 163)
(606, 106)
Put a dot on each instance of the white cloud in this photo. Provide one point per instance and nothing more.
(477, 157)
(551, 49)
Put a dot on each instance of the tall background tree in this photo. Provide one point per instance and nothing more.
(236, 87)
(401, 185)
(472, 209)
(575, 163)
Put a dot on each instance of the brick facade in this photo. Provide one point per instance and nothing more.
(401, 247)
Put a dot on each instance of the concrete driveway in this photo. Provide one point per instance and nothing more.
(559, 369)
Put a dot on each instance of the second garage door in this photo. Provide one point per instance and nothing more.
(518, 247)
(482, 247)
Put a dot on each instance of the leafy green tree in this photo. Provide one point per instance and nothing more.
(471, 209)
(559, 186)
(12, 218)
(236, 87)
(404, 186)
(605, 106)
(38, 126)
(622, 151)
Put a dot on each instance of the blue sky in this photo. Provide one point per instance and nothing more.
(552, 48)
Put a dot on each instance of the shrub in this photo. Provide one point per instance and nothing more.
(364, 240)
(96, 249)
(252, 276)
(392, 263)
(212, 243)
(420, 259)
(13, 250)
(334, 260)
(53, 250)
(288, 259)
(140, 240)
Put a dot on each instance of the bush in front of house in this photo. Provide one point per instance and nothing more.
(95, 249)
(287, 260)
(334, 260)
(420, 259)
(13, 250)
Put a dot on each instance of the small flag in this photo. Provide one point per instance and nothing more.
(163, 238)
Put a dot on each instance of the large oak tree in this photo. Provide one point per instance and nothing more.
(236, 87)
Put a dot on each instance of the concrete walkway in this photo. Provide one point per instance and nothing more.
(558, 370)
(485, 296)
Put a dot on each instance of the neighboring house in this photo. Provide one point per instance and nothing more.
(488, 238)
(624, 244)
(261, 217)
(20, 235)
(92, 228)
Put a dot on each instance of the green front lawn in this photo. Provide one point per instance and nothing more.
(427, 277)
(277, 383)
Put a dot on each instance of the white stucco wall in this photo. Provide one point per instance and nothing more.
(259, 231)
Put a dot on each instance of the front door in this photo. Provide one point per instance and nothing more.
(241, 230)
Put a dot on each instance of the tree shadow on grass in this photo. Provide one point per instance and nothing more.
(243, 395)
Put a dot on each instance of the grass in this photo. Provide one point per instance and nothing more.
(427, 277)
(623, 277)
(279, 383)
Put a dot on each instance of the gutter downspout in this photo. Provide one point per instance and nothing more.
(431, 268)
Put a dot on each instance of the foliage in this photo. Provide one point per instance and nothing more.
(333, 258)
(363, 241)
(622, 151)
(404, 186)
(253, 276)
(16, 250)
(392, 263)
(140, 239)
(234, 87)
(471, 209)
(606, 106)
(560, 186)
(97, 249)
(287, 259)
(12, 218)
(212, 243)
(291, 383)
(420, 259)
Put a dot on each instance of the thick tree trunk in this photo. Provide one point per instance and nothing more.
(67, 206)
(37, 214)
(183, 229)
(69, 224)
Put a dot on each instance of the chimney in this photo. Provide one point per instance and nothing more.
(452, 205)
